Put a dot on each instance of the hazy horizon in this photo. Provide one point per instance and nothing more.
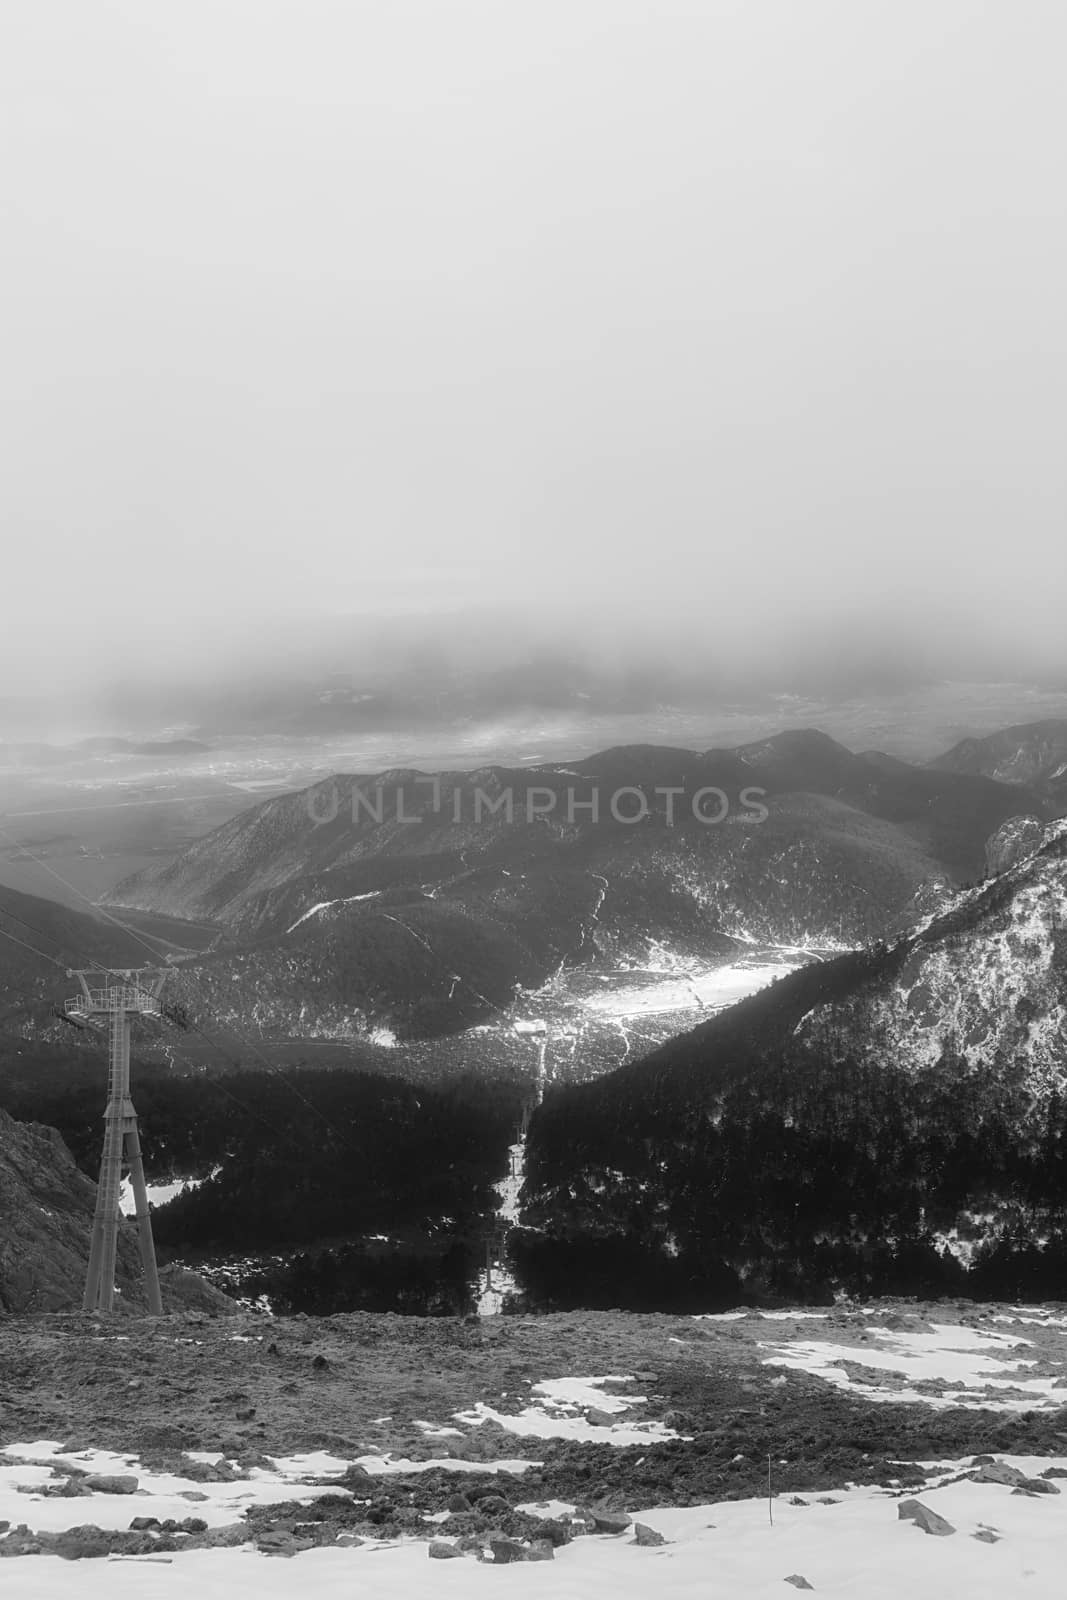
(695, 338)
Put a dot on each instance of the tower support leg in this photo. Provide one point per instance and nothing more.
(144, 1220)
(100, 1282)
(96, 1246)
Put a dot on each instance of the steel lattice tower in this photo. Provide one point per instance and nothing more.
(129, 993)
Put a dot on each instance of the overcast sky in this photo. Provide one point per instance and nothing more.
(741, 310)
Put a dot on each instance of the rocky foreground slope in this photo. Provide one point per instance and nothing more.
(637, 1452)
(46, 1210)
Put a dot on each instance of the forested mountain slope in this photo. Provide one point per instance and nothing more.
(849, 1123)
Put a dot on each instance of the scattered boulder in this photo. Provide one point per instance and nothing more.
(992, 1471)
(502, 1551)
(1035, 1486)
(987, 1536)
(492, 1505)
(229, 1537)
(20, 1542)
(207, 1471)
(457, 1502)
(541, 1550)
(556, 1533)
(929, 1521)
(580, 1522)
(102, 1483)
(646, 1536)
(280, 1543)
(798, 1581)
(441, 1550)
(83, 1544)
(609, 1521)
(358, 1479)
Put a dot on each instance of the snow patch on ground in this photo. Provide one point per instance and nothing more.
(26, 1469)
(559, 1412)
(326, 905)
(158, 1193)
(959, 1366)
(856, 1546)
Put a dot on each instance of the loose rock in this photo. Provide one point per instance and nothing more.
(998, 1472)
(441, 1550)
(644, 1535)
(502, 1551)
(929, 1521)
(609, 1521)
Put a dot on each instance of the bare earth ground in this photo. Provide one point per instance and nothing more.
(252, 1388)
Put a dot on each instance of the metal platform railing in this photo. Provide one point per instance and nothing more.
(118, 997)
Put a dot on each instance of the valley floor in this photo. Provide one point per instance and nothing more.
(346, 1441)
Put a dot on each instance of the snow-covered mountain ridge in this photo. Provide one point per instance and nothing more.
(986, 981)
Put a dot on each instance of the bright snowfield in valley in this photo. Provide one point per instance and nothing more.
(849, 1542)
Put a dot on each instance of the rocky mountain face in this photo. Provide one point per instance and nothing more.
(423, 903)
(46, 1211)
(1013, 841)
(984, 985)
(1030, 753)
(896, 1111)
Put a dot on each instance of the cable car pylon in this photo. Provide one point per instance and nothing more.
(133, 992)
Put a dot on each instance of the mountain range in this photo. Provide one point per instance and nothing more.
(424, 903)
(891, 1111)
(1032, 754)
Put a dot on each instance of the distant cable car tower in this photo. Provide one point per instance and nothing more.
(126, 993)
